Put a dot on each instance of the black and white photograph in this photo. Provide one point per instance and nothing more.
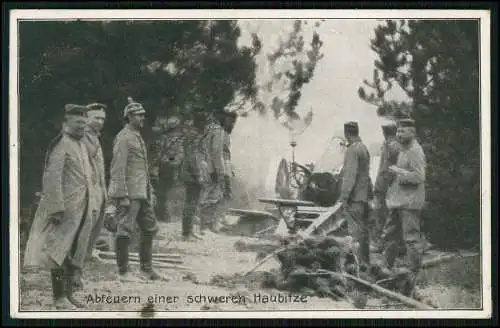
(250, 164)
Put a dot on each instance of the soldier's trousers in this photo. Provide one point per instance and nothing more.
(211, 197)
(356, 216)
(402, 236)
(191, 207)
(381, 216)
(139, 214)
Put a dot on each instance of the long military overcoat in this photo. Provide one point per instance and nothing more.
(67, 189)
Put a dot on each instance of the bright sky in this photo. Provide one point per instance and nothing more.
(332, 94)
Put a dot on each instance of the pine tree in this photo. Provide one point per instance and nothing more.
(436, 63)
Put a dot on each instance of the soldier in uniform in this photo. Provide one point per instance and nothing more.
(389, 156)
(131, 191)
(166, 156)
(60, 234)
(216, 145)
(193, 174)
(405, 199)
(356, 190)
(96, 116)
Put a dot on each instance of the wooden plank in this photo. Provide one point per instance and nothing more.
(137, 258)
(286, 202)
(253, 214)
(157, 265)
(321, 219)
(155, 255)
(316, 209)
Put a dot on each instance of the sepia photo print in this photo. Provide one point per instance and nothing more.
(250, 164)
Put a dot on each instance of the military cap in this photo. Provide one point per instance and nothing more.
(389, 128)
(73, 109)
(351, 127)
(97, 106)
(173, 121)
(406, 123)
(133, 108)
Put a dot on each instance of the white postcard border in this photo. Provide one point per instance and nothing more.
(115, 14)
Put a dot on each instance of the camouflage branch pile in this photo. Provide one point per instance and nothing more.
(320, 267)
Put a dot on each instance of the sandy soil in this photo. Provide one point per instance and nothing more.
(213, 256)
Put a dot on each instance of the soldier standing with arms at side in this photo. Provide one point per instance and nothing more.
(405, 200)
(60, 233)
(96, 116)
(131, 191)
(216, 144)
(166, 157)
(388, 157)
(193, 174)
(95, 121)
(356, 189)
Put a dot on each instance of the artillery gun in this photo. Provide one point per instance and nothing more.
(306, 194)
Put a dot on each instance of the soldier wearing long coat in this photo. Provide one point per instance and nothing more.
(62, 225)
(96, 117)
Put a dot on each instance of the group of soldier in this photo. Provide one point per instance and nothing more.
(76, 203)
(398, 196)
(197, 154)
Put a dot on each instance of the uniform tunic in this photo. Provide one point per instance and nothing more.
(356, 189)
(194, 175)
(405, 199)
(213, 144)
(167, 154)
(129, 178)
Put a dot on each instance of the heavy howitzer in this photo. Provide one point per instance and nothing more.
(306, 194)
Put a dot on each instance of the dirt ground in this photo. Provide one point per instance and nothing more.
(449, 285)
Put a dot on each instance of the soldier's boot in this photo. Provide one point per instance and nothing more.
(77, 279)
(69, 281)
(59, 291)
(121, 251)
(146, 259)
(413, 261)
(389, 256)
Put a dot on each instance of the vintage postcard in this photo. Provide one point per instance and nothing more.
(250, 164)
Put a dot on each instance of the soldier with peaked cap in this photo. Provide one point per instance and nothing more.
(405, 199)
(131, 191)
(388, 157)
(356, 190)
(193, 173)
(167, 154)
(60, 233)
(96, 116)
